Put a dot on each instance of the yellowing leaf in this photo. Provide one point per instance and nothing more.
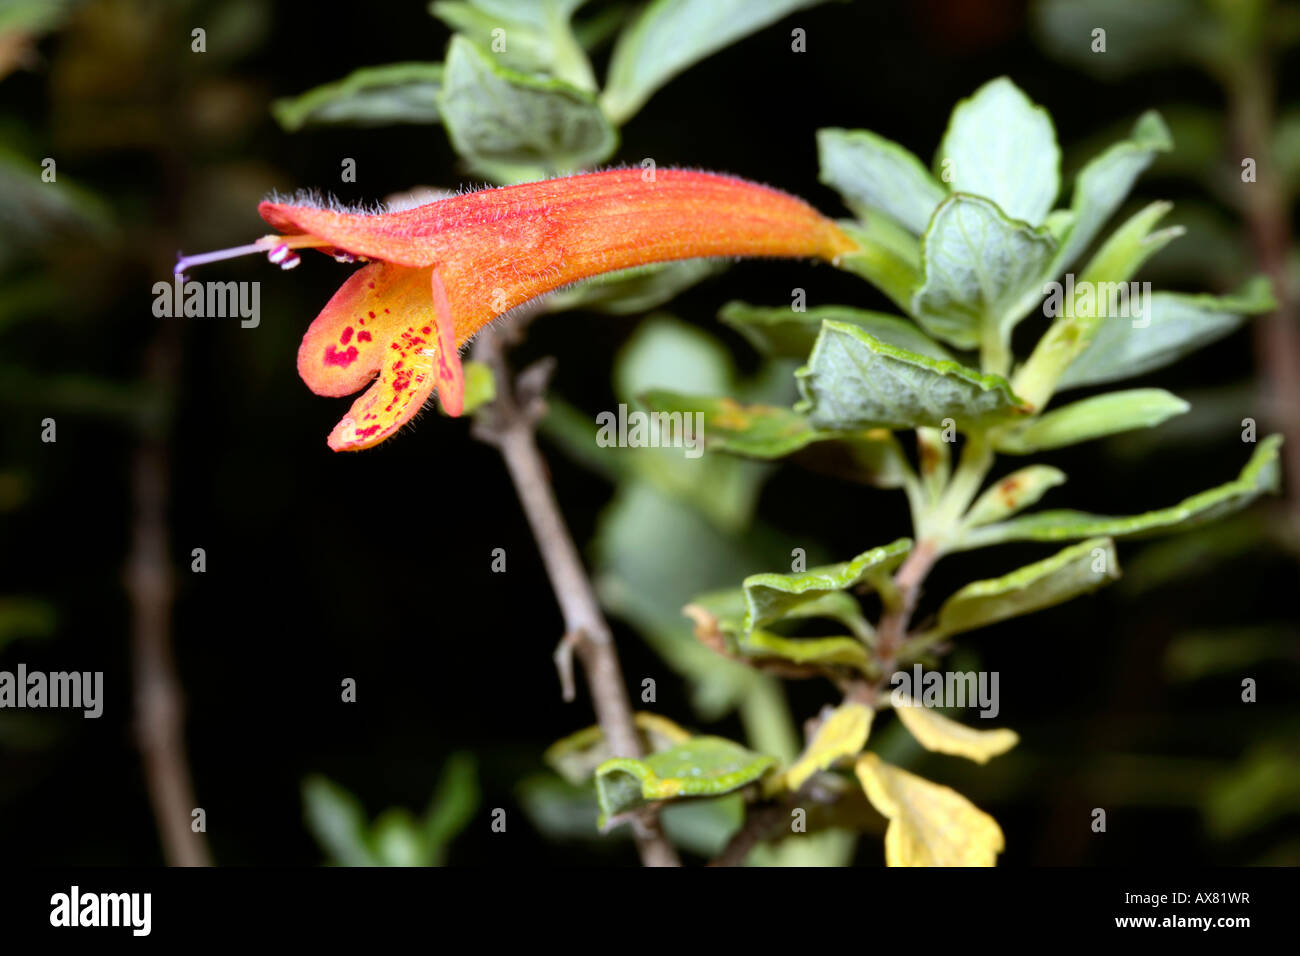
(933, 731)
(929, 825)
(842, 734)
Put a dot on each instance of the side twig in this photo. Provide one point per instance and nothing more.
(509, 424)
(759, 824)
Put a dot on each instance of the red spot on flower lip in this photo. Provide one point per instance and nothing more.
(346, 337)
(342, 359)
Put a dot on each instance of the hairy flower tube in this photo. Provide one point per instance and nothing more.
(438, 273)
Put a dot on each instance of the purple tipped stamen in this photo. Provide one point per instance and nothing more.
(279, 249)
(183, 263)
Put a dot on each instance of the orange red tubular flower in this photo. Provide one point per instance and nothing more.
(440, 272)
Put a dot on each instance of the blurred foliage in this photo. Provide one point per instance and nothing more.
(1247, 158)
(396, 837)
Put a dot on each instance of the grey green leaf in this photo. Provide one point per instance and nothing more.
(1079, 569)
(981, 271)
(372, 96)
(785, 333)
(887, 256)
(855, 381)
(513, 126)
(1174, 325)
(876, 175)
(1260, 476)
(670, 35)
(1091, 418)
(770, 597)
(1002, 146)
(1015, 492)
(1102, 185)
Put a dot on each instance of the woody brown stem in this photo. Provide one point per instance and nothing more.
(510, 425)
(159, 699)
(1251, 91)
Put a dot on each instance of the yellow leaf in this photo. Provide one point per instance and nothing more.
(933, 731)
(842, 734)
(929, 825)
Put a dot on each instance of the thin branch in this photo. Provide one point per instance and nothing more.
(759, 824)
(892, 628)
(509, 424)
(159, 701)
(1268, 215)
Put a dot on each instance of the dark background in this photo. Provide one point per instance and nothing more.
(310, 581)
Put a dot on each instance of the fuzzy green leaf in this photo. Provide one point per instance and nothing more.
(1175, 325)
(1102, 185)
(1092, 418)
(1077, 570)
(722, 614)
(1129, 246)
(755, 431)
(537, 36)
(874, 174)
(1015, 492)
(771, 597)
(980, 270)
(855, 381)
(768, 431)
(887, 256)
(1001, 146)
(785, 333)
(372, 96)
(825, 652)
(513, 126)
(671, 35)
(700, 767)
(1261, 474)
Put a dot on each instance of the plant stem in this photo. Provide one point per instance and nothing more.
(509, 423)
(933, 534)
(976, 459)
(995, 356)
(758, 825)
(1267, 212)
(159, 700)
(892, 628)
